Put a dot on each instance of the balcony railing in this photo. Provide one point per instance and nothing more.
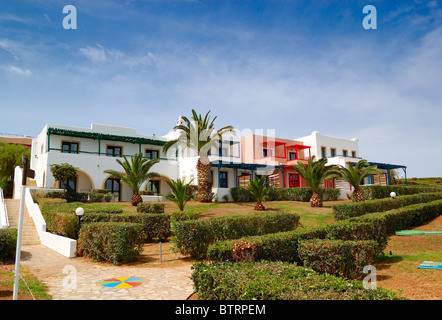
(108, 154)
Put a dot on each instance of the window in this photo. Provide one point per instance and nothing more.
(293, 180)
(114, 151)
(222, 152)
(69, 147)
(154, 186)
(223, 183)
(333, 152)
(152, 154)
(69, 185)
(293, 156)
(114, 186)
(265, 152)
(345, 153)
(323, 152)
(353, 154)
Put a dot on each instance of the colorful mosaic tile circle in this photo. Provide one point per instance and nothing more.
(123, 282)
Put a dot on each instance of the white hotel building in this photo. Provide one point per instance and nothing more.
(95, 149)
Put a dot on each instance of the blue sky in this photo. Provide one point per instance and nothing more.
(291, 66)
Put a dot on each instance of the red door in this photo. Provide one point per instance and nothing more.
(293, 180)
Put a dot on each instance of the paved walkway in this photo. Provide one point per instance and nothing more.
(163, 281)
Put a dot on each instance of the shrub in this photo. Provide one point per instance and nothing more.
(194, 236)
(108, 197)
(48, 201)
(354, 209)
(184, 215)
(153, 225)
(404, 218)
(276, 281)
(60, 216)
(283, 246)
(65, 224)
(338, 257)
(377, 192)
(96, 196)
(113, 242)
(147, 207)
(8, 242)
(241, 194)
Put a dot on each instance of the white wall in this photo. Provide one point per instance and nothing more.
(91, 166)
(316, 140)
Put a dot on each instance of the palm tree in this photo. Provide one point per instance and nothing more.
(258, 188)
(354, 174)
(180, 192)
(199, 135)
(136, 172)
(314, 173)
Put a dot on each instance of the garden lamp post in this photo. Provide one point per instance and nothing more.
(393, 194)
(79, 212)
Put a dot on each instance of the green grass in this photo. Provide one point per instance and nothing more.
(433, 182)
(38, 289)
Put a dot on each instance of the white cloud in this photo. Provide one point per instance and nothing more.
(18, 71)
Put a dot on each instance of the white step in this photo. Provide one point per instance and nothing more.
(29, 235)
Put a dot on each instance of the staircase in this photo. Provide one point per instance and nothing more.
(29, 235)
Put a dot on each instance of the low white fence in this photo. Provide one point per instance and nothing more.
(64, 246)
(4, 223)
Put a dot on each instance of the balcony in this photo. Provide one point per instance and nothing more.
(279, 153)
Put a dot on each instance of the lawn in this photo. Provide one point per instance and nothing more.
(38, 289)
(309, 216)
(399, 271)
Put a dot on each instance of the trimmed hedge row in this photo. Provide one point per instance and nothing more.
(377, 192)
(153, 207)
(193, 237)
(342, 258)
(283, 246)
(404, 218)
(354, 209)
(277, 281)
(8, 243)
(60, 216)
(115, 242)
(241, 194)
(153, 225)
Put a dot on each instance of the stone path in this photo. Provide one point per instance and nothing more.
(79, 278)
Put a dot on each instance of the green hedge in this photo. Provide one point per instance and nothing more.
(193, 237)
(354, 209)
(283, 246)
(153, 225)
(150, 207)
(338, 257)
(375, 226)
(115, 242)
(241, 194)
(372, 192)
(300, 194)
(8, 243)
(276, 281)
(404, 218)
(60, 216)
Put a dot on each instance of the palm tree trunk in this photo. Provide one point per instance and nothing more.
(204, 169)
(259, 206)
(358, 195)
(316, 200)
